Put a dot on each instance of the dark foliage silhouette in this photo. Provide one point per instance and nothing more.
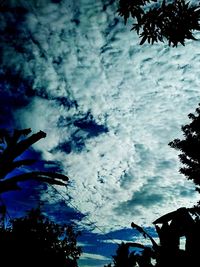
(156, 21)
(172, 227)
(12, 146)
(34, 240)
(167, 252)
(190, 149)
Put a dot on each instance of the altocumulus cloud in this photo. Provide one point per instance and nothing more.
(108, 105)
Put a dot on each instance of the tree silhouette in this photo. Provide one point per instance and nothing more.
(156, 21)
(34, 240)
(12, 146)
(123, 257)
(167, 252)
(190, 149)
(173, 226)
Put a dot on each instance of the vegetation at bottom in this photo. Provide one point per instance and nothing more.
(181, 225)
(34, 240)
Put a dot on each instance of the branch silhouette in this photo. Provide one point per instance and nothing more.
(14, 145)
(155, 21)
(173, 226)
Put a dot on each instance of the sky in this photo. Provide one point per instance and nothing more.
(109, 107)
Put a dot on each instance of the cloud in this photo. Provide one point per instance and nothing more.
(108, 105)
(93, 256)
(91, 259)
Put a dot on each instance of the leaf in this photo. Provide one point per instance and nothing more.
(51, 178)
(143, 40)
(169, 216)
(144, 233)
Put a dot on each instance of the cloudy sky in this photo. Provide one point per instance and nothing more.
(109, 107)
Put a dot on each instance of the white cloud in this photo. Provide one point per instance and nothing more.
(142, 94)
(93, 256)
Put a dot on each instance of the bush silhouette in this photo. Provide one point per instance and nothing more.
(34, 240)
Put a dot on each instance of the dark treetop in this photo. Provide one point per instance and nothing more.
(155, 21)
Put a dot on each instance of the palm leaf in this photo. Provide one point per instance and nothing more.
(145, 234)
(50, 178)
(14, 147)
